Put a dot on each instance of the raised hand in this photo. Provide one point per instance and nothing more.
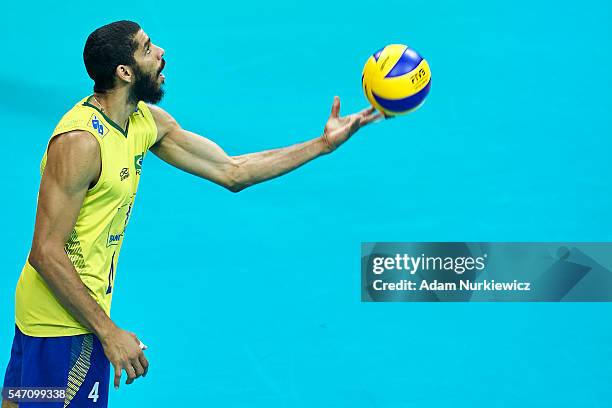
(339, 129)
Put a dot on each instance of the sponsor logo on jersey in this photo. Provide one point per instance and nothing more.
(114, 239)
(119, 223)
(98, 126)
(138, 162)
(125, 173)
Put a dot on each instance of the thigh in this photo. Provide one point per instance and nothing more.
(88, 377)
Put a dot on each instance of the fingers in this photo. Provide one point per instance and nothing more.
(144, 363)
(335, 111)
(134, 368)
(130, 371)
(137, 368)
(370, 118)
(366, 111)
(363, 112)
(117, 381)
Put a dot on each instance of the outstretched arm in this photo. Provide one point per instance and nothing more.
(202, 157)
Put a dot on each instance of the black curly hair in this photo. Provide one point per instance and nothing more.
(106, 48)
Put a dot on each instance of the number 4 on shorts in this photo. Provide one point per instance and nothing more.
(93, 394)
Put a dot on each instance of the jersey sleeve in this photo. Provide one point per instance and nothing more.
(80, 121)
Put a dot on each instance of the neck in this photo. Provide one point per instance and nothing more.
(117, 105)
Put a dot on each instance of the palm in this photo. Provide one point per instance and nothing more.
(339, 129)
(339, 124)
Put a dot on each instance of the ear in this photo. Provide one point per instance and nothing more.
(124, 73)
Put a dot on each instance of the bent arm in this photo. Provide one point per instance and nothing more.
(202, 157)
(73, 165)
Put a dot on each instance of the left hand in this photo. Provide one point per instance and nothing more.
(339, 129)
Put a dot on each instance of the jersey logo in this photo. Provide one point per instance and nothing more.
(98, 126)
(138, 163)
(117, 226)
(125, 173)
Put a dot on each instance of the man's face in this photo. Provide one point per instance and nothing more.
(148, 78)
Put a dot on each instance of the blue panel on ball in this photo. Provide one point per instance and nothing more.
(405, 104)
(407, 62)
(377, 53)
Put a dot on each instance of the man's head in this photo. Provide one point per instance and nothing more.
(120, 54)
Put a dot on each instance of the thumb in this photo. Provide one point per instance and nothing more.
(335, 111)
(136, 339)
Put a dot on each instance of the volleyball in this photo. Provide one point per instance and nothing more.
(396, 79)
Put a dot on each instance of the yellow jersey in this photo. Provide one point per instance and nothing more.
(95, 243)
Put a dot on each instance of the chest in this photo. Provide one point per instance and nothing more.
(122, 159)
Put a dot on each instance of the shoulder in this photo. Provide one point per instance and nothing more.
(78, 145)
(79, 117)
(73, 158)
(163, 120)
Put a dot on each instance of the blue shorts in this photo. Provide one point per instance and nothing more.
(76, 363)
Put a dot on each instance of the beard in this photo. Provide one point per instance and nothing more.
(146, 87)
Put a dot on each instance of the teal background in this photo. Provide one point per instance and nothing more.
(252, 300)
